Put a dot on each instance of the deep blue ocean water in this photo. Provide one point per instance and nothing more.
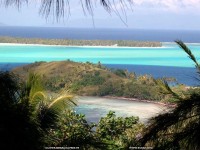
(185, 75)
(190, 36)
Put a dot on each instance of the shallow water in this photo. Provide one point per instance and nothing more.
(168, 55)
(96, 107)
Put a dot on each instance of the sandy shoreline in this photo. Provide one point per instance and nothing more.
(144, 101)
(112, 46)
(96, 107)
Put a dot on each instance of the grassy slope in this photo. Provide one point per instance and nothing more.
(65, 73)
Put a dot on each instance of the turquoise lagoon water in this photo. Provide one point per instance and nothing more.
(167, 55)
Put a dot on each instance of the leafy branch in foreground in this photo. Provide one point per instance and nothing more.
(166, 89)
(61, 8)
(118, 132)
(27, 113)
(180, 127)
(189, 52)
(74, 130)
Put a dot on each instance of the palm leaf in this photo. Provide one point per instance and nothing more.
(49, 113)
(61, 8)
(189, 52)
(37, 99)
(34, 84)
(180, 127)
(62, 102)
(166, 88)
(46, 117)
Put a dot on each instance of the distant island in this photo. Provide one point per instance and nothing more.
(69, 42)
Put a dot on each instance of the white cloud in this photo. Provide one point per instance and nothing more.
(173, 5)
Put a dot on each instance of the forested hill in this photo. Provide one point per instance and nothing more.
(69, 42)
(93, 80)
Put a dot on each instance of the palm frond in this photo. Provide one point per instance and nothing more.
(17, 129)
(166, 88)
(32, 86)
(48, 112)
(17, 3)
(189, 52)
(62, 102)
(46, 117)
(176, 125)
(179, 128)
(37, 98)
(61, 8)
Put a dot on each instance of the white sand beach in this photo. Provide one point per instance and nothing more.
(112, 46)
(96, 107)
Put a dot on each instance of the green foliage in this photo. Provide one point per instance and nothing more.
(177, 129)
(111, 126)
(111, 88)
(180, 127)
(110, 133)
(131, 89)
(74, 131)
(143, 91)
(55, 84)
(27, 113)
(17, 128)
(189, 52)
(118, 132)
(119, 72)
(105, 89)
(87, 80)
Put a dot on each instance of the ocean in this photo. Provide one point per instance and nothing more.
(166, 61)
(190, 36)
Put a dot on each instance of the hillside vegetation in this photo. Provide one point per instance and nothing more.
(69, 42)
(94, 80)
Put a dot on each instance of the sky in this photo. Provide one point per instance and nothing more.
(143, 14)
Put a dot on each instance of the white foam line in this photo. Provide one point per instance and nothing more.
(21, 44)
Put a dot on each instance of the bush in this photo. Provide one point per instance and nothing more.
(105, 89)
(120, 73)
(118, 132)
(141, 91)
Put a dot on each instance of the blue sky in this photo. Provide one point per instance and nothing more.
(145, 14)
